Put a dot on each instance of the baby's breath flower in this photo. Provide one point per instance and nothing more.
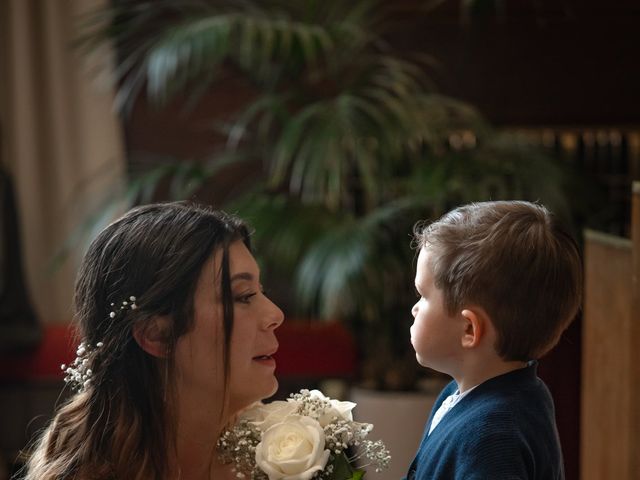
(377, 453)
(237, 444)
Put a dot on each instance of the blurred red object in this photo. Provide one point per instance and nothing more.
(311, 348)
(42, 362)
(308, 348)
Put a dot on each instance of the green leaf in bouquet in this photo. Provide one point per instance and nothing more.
(357, 475)
(342, 469)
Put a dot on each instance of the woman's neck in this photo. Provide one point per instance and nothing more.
(198, 427)
(198, 461)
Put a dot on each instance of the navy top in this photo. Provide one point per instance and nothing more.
(503, 429)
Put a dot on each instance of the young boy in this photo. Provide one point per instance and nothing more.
(498, 283)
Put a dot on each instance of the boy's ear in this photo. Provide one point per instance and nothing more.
(152, 335)
(475, 326)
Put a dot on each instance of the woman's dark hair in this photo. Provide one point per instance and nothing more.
(119, 426)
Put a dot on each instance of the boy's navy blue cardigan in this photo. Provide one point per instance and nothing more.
(504, 429)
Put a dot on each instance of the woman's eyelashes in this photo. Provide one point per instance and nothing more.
(247, 296)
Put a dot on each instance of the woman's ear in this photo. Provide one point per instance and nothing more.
(475, 327)
(152, 334)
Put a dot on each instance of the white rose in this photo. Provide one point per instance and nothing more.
(251, 412)
(292, 449)
(338, 409)
(266, 415)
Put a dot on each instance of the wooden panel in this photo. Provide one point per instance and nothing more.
(634, 339)
(606, 451)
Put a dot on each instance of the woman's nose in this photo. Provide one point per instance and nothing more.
(275, 316)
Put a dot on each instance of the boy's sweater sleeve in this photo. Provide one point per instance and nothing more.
(493, 453)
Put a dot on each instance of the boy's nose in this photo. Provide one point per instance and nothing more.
(414, 310)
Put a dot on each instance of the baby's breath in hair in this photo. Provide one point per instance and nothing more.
(78, 373)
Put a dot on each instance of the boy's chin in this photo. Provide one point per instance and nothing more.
(422, 361)
(433, 365)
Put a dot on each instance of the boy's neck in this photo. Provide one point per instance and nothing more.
(477, 371)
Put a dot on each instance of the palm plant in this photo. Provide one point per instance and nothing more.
(353, 144)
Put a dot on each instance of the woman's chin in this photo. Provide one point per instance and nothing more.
(242, 401)
(273, 390)
(269, 390)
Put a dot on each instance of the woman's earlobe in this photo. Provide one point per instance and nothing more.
(152, 335)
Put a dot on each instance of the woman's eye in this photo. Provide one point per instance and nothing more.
(246, 298)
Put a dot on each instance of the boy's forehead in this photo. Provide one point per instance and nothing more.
(424, 256)
(423, 267)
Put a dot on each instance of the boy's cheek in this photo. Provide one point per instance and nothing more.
(413, 338)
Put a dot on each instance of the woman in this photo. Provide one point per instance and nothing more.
(177, 337)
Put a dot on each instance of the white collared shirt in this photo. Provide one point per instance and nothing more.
(449, 402)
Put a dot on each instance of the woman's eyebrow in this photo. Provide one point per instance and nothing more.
(242, 276)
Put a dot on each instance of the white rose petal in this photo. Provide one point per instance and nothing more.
(318, 394)
(266, 415)
(292, 449)
(340, 410)
(252, 413)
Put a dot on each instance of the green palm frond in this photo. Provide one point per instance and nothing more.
(338, 260)
(182, 177)
(168, 45)
(266, 114)
(501, 167)
(284, 229)
(340, 272)
(328, 145)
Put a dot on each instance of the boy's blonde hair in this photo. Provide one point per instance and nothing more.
(513, 259)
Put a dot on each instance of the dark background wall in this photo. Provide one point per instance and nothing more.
(542, 62)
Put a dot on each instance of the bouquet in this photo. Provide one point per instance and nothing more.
(305, 437)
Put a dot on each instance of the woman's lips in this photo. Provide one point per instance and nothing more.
(266, 360)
